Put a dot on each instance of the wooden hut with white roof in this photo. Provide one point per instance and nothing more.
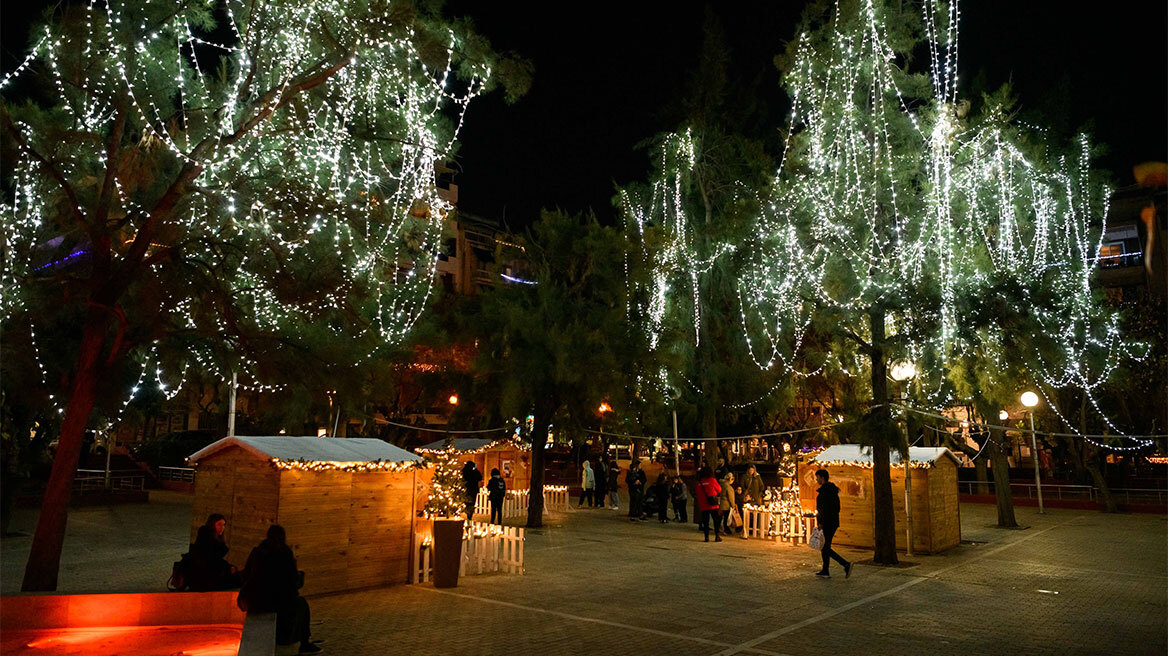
(349, 505)
(935, 511)
(511, 457)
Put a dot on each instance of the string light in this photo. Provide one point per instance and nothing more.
(359, 152)
(373, 466)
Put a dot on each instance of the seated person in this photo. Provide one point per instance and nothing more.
(207, 568)
(271, 584)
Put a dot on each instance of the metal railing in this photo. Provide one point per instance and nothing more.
(93, 480)
(177, 474)
(1073, 492)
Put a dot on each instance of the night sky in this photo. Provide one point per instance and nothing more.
(610, 75)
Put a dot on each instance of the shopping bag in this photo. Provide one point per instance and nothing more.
(735, 519)
(816, 539)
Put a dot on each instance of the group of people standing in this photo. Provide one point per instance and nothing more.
(720, 498)
(269, 583)
(599, 485)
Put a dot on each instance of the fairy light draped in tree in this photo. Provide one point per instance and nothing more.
(889, 195)
(315, 129)
(886, 191)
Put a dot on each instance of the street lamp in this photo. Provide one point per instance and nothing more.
(453, 400)
(1030, 399)
(901, 372)
(1003, 415)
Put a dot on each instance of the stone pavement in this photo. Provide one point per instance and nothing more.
(1075, 582)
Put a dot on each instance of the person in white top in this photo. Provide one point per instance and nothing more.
(588, 485)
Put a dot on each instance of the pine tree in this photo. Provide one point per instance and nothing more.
(447, 490)
(908, 233)
(221, 181)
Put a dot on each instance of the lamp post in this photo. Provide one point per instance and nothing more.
(1030, 399)
(231, 405)
(901, 372)
(604, 407)
(675, 395)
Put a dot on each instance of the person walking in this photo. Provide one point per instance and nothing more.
(827, 510)
(587, 485)
(635, 480)
(679, 494)
(272, 585)
(614, 485)
(600, 471)
(496, 492)
(706, 493)
(471, 478)
(726, 500)
(209, 569)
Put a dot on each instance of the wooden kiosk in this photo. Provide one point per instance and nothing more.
(510, 457)
(348, 504)
(935, 511)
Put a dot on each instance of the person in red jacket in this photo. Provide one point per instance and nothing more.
(706, 494)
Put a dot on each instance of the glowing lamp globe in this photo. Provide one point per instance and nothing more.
(1003, 415)
(453, 400)
(1029, 399)
(902, 371)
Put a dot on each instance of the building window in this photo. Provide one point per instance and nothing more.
(1111, 254)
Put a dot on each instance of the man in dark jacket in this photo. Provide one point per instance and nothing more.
(635, 480)
(601, 473)
(827, 509)
(272, 584)
(472, 478)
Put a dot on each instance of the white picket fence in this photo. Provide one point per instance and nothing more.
(779, 518)
(786, 525)
(486, 548)
(516, 502)
(555, 498)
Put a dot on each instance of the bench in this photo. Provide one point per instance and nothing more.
(259, 635)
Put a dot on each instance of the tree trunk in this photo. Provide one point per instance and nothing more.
(1001, 467)
(1092, 463)
(979, 470)
(542, 417)
(884, 529)
(44, 558)
(709, 430)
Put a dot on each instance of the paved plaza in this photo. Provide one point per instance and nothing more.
(1074, 582)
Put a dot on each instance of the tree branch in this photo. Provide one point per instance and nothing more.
(54, 172)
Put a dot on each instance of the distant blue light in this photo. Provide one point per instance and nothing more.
(77, 253)
(518, 280)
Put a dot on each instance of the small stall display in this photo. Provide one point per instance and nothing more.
(349, 505)
(511, 457)
(935, 512)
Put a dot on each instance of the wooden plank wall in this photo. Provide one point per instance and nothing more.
(381, 524)
(922, 515)
(946, 509)
(348, 531)
(244, 488)
(314, 511)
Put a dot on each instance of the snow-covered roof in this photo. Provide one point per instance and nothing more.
(863, 454)
(312, 449)
(467, 444)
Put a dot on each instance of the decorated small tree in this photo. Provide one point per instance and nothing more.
(447, 493)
